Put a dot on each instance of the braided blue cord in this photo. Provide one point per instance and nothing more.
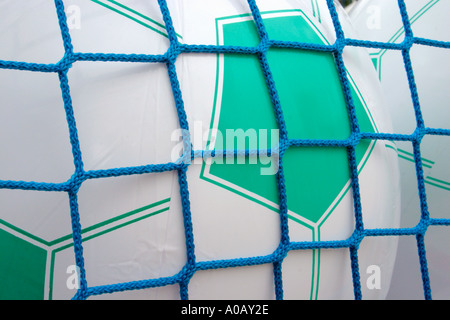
(276, 258)
(281, 252)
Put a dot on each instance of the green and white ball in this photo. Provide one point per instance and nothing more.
(132, 226)
(381, 21)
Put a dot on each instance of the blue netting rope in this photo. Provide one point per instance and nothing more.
(276, 258)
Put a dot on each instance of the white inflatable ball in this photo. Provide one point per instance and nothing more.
(381, 21)
(105, 157)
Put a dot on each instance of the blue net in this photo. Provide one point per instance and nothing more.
(276, 258)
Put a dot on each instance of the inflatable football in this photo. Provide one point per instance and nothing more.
(190, 149)
(381, 21)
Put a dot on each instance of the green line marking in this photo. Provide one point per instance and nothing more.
(29, 235)
(113, 228)
(437, 180)
(24, 233)
(413, 19)
(378, 55)
(412, 160)
(316, 260)
(313, 285)
(293, 218)
(64, 247)
(406, 158)
(313, 8)
(438, 183)
(109, 221)
(412, 156)
(391, 147)
(52, 272)
(95, 236)
(137, 13)
(318, 11)
(152, 24)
